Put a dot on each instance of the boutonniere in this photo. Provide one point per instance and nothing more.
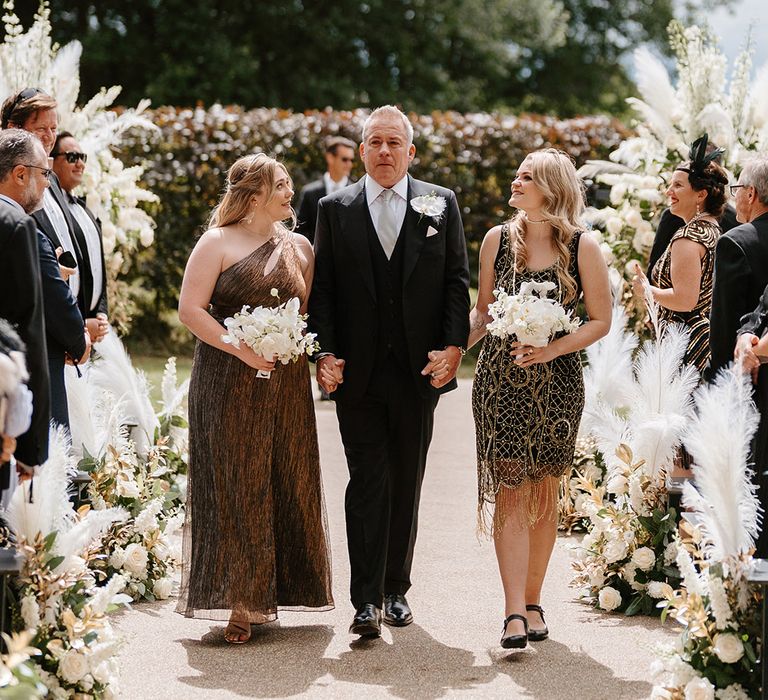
(431, 205)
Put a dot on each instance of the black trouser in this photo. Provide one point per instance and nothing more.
(386, 436)
(59, 409)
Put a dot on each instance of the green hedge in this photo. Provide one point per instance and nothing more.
(187, 158)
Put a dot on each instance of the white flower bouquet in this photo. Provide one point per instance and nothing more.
(274, 332)
(529, 316)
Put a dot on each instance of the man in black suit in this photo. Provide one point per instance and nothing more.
(35, 111)
(741, 263)
(390, 307)
(21, 291)
(69, 165)
(339, 158)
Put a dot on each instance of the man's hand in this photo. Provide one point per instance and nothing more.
(330, 372)
(66, 272)
(744, 354)
(442, 365)
(87, 352)
(97, 327)
(8, 448)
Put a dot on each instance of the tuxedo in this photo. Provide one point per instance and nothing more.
(94, 249)
(382, 315)
(311, 194)
(21, 304)
(45, 225)
(741, 275)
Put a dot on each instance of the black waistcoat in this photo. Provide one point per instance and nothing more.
(388, 280)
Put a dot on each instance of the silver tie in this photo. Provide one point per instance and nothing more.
(387, 230)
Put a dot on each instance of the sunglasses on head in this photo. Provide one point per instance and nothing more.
(22, 96)
(73, 156)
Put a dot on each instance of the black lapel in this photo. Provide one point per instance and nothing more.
(354, 226)
(415, 231)
(45, 225)
(78, 240)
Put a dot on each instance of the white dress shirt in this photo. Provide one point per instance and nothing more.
(331, 185)
(56, 216)
(93, 244)
(398, 203)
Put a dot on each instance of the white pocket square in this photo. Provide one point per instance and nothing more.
(431, 231)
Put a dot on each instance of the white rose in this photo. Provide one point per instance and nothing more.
(614, 225)
(659, 589)
(127, 488)
(617, 484)
(136, 559)
(616, 550)
(73, 666)
(117, 558)
(634, 218)
(609, 598)
(728, 648)
(644, 558)
(162, 588)
(699, 689)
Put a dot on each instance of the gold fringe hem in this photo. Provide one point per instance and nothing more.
(519, 507)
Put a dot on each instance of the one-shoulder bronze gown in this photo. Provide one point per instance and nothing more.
(255, 538)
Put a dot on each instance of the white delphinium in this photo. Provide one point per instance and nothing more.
(146, 520)
(692, 580)
(718, 600)
(529, 316)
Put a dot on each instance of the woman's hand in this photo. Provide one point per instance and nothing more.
(639, 282)
(527, 355)
(254, 360)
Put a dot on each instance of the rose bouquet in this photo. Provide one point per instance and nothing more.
(273, 332)
(529, 316)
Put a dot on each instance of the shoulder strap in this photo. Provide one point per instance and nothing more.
(575, 258)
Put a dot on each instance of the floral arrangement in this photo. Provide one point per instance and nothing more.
(588, 467)
(60, 605)
(112, 191)
(672, 114)
(636, 411)
(715, 655)
(529, 316)
(274, 332)
(430, 205)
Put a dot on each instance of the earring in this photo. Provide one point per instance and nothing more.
(698, 209)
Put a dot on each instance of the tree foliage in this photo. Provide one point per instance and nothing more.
(468, 55)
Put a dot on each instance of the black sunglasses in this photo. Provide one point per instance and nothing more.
(22, 96)
(347, 160)
(46, 171)
(72, 156)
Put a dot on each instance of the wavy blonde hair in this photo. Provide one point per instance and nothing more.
(554, 174)
(248, 176)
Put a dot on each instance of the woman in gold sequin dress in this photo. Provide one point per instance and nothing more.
(255, 539)
(527, 401)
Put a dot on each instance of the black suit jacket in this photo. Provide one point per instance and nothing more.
(78, 238)
(21, 303)
(101, 305)
(306, 217)
(342, 305)
(741, 275)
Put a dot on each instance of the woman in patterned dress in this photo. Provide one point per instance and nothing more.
(527, 401)
(681, 280)
(255, 540)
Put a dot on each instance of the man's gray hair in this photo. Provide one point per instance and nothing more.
(389, 111)
(16, 146)
(755, 173)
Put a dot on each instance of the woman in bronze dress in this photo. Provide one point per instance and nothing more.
(255, 538)
(527, 401)
(681, 280)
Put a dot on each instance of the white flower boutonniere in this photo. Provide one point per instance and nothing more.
(430, 205)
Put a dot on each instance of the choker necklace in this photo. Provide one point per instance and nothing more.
(531, 221)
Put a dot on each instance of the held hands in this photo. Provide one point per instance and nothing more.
(330, 372)
(527, 355)
(442, 365)
(97, 327)
(745, 356)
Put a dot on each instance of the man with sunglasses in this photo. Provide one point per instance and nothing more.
(339, 158)
(69, 165)
(33, 110)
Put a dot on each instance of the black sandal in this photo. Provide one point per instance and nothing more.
(515, 641)
(538, 635)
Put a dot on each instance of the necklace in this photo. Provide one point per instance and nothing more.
(531, 221)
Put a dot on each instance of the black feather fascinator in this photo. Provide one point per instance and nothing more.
(698, 158)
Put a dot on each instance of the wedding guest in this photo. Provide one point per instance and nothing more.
(21, 289)
(255, 539)
(390, 308)
(33, 110)
(339, 158)
(527, 401)
(681, 280)
(741, 263)
(23, 180)
(69, 165)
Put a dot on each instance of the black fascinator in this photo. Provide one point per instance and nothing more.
(698, 157)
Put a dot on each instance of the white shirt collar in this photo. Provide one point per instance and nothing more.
(373, 189)
(331, 185)
(13, 203)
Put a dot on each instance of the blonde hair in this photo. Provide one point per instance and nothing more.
(554, 174)
(248, 176)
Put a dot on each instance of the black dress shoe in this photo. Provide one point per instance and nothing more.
(397, 613)
(538, 635)
(367, 621)
(514, 641)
